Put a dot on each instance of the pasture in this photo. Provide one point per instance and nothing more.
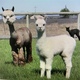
(31, 71)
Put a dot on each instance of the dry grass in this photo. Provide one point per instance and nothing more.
(54, 26)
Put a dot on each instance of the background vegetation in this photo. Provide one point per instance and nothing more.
(31, 71)
(65, 10)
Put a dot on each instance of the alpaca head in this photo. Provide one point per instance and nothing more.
(40, 23)
(67, 28)
(8, 15)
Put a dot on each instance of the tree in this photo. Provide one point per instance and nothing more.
(65, 10)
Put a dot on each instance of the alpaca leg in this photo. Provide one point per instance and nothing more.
(48, 67)
(42, 72)
(72, 35)
(68, 63)
(29, 52)
(48, 73)
(78, 36)
(24, 51)
(68, 70)
(15, 57)
(21, 56)
(42, 66)
(14, 52)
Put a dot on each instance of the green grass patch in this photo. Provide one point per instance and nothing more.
(31, 71)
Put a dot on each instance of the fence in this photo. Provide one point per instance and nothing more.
(50, 13)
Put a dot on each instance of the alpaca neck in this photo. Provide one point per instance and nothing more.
(11, 28)
(41, 35)
(68, 30)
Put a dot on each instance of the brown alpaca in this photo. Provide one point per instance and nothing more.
(20, 39)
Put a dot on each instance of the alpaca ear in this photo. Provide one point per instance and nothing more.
(44, 17)
(2, 8)
(35, 18)
(13, 8)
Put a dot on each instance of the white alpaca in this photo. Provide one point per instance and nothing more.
(48, 47)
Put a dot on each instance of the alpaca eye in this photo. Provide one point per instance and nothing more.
(43, 24)
(11, 15)
(36, 24)
(4, 16)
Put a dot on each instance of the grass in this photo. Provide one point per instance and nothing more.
(31, 71)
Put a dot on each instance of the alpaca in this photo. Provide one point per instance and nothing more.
(48, 47)
(73, 32)
(20, 40)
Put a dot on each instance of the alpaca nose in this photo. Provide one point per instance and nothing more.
(7, 18)
(39, 27)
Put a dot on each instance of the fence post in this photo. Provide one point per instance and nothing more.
(27, 21)
(78, 21)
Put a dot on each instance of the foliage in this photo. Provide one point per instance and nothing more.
(31, 71)
(65, 10)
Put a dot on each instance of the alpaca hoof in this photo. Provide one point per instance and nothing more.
(21, 63)
(15, 64)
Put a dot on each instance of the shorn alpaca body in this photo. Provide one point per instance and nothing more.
(48, 47)
(20, 40)
(73, 32)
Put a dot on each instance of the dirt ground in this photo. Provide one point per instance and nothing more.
(53, 27)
